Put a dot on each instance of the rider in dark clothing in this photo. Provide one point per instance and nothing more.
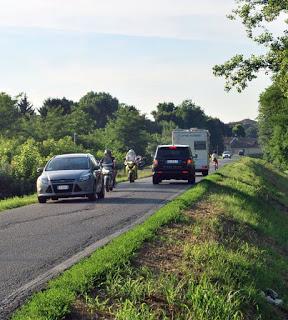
(109, 159)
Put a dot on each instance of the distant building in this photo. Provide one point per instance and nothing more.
(249, 145)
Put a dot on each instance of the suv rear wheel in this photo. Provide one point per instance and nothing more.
(155, 180)
(192, 180)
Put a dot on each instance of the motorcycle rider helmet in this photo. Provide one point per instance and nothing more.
(107, 152)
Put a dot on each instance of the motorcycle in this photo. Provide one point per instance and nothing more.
(108, 173)
(131, 169)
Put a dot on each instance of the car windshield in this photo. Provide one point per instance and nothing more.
(71, 163)
(173, 153)
(226, 152)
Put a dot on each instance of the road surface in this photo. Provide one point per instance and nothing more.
(36, 238)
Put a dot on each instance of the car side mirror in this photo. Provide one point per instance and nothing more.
(40, 170)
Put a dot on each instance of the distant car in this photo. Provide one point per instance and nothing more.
(226, 154)
(241, 152)
(173, 162)
(70, 175)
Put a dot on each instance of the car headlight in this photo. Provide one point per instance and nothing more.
(85, 177)
(43, 180)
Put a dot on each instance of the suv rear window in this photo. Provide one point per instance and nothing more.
(173, 153)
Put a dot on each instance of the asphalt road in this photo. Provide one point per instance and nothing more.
(38, 237)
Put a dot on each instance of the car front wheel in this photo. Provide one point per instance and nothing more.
(42, 199)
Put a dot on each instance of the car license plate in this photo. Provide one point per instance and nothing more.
(64, 187)
(172, 161)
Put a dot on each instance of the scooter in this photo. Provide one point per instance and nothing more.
(131, 169)
(108, 173)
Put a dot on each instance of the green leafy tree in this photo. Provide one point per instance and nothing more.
(256, 16)
(189, 115)
(99, 106)
(26, 162)
(273, 129)
(63, 106)
(127, 131)
(238, 130)
(165, 111)
(8, 114)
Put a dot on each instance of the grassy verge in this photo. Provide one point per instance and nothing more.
(206, 255)
(16, 202)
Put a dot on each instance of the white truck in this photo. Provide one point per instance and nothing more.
(198, 140)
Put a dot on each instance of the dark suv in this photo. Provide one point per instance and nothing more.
(173, 162)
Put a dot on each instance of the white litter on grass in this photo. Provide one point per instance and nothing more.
(272, 297)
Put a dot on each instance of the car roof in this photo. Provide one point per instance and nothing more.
(174, 145)
(73, 155)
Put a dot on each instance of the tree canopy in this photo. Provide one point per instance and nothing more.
(256, 16)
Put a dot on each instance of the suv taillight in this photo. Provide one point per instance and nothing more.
(189, 161)
(155, 163)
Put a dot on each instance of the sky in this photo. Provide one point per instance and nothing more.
(142, 52)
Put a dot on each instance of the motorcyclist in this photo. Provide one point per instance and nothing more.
(131, 156)
(108, 159)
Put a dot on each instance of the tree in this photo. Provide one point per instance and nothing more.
(99, 106)
(165, 111)
(126, 131)
(24, 106)
(63, 106)
(8, 114)
(238, 130)
(273, 129)
(189, 115)
(256, 16)
(217, 131)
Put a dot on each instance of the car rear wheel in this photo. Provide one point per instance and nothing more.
(42, 199)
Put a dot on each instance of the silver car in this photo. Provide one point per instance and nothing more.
(70, 175)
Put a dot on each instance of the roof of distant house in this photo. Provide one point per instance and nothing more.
(239, 142)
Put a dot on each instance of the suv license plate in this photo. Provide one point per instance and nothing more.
(65, 187)
(172, 161)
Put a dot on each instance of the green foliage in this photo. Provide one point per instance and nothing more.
(63, 106)
(25, 163)
(126, 131)
(24, 106)
(99, 106)
(273, 130)
(9, 114)
(256, 16)
(238, 130)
